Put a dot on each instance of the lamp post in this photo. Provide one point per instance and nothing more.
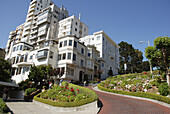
(149, 59)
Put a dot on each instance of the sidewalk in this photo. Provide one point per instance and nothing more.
(22, 107)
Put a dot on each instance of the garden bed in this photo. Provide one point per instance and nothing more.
(68, 95)
(139, 84)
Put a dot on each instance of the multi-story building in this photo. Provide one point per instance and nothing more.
(72, 26)
(109, 51)
(50, 37)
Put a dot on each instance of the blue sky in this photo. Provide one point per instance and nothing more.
(123, 20)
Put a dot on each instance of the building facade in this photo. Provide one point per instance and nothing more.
(50, 36)
(109, 52)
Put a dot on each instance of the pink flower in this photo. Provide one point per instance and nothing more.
(77, 89)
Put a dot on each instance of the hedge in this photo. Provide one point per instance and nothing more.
(3, 106)
(29, 91)
(138, 94)
(92, 94)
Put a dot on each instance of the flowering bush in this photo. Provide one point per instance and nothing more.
(137, 82)
(63, 94)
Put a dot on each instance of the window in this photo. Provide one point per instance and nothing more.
(70, 42)
(69, 56)
(64, 56)
(92, 38)
(20, 47)
(25, 60)
(98, 37)
(102, 64)
(82, 51)
(13, 71)
(17, 59)
(61, 44)
(22, 58)
(31, 57)
(84, 29)
(75, 44)
(89, 54)
(76, 23)
(65, 43)
(42, 53)
(17, 48)
(14, 49)
(19, 72)
(74, 57)
(13, 60)
(51, 54)
(24, 69)
(82, 62)
(75, 29)
(59, 57)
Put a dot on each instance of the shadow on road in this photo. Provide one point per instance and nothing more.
(100, 105)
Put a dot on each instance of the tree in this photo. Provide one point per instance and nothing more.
(145, 66)
(39, 73)
(159, 54)
(163, 45)
(5, 68)
(132, 57)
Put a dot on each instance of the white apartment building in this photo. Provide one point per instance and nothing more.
(50, 36)
(72, 26)
(109, 51)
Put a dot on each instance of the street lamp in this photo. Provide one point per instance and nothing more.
(149, 59)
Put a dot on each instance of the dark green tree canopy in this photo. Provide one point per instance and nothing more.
(132, 57)
(5, 68)
(159, 54)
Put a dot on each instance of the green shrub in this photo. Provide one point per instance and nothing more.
(3, 106)
(93, 82)
(81, 97)
(29, 91)
(138, 94)
(163, 89)
(164, 76)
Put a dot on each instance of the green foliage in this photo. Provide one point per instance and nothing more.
(132, 57)
(164, 89)
(138, 94)
(23, 85)
(5, 68)
(159, 54)
(93, 82)
(38, 73)
(164, 76)
(3, 106)
(79, 97)
(29, 91)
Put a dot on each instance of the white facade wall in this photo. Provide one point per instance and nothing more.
(109, 51)
(72, 26)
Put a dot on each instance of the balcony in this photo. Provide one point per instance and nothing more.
(33, 37)
(26, 33)
(35, 31)
(32, 9)
(24, 63)
(40, 40)
(29, 19)
(42, 54)
(30, 14)
(33, 4)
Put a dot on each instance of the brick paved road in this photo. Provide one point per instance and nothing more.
(114, 104)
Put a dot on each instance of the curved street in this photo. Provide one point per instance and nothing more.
(115, 104)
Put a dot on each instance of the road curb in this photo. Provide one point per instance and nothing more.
(134, 97)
